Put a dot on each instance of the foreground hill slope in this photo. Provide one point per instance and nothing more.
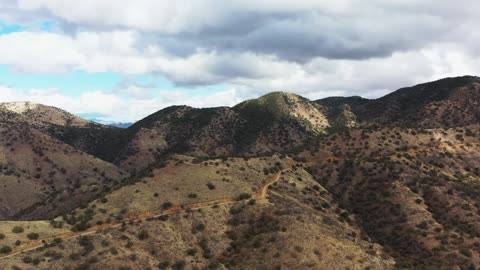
(217, 217)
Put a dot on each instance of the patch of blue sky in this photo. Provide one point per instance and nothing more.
(43, 26)
(77, 82)
(6, 28)
(92, 116)
(47, 26)
(72, 84)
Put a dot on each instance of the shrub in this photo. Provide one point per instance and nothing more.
(197, 228)
(422, 225)
(466, 252)
(163, 218)
(32, 236)
(243, 196)
(5, 249)
(27, 259)
(74, 256)
(179, 265)
(211, 186)
(164, 265)
(2, 236)
(36, 261)
(18, 229)
(191, 252)
(143, 235)
(114, 251)
(87, 244)
(167, 205)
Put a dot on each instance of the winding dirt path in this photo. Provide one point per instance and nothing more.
(261, 195)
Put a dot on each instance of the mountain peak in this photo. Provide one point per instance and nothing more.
(19, 106)
(277, 102)
(39, 113)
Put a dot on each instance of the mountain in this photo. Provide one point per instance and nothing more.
(120, 125)
(274, 122)
(444, 103)
(277, 182)
(38, 114)
(111, 123)
(41, 176)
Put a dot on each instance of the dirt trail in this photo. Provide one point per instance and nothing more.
(259, 196)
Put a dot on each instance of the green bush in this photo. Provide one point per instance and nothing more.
(243, 196)
(164, 265)
(192, 195)
(142, 235)
(32, 236)
(422, 225)
(36, 261)
(167, 205)
(466, 252)
(5, 249)
(197, 228)
(179, 265)
(18, 229)
(191, 252)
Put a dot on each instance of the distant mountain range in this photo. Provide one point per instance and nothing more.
(277, 182)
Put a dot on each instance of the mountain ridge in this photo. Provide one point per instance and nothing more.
(277, 182)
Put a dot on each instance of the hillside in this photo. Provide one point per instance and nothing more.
(273, 123)
(444, 103)
(38, 113)
(43, 177)
(214, 228)
(277, 182)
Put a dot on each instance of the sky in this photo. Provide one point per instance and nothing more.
(119, 61)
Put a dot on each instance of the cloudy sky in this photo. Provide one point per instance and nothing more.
(120, 60)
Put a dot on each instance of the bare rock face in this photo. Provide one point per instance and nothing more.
(19, 107)
(347, 117)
